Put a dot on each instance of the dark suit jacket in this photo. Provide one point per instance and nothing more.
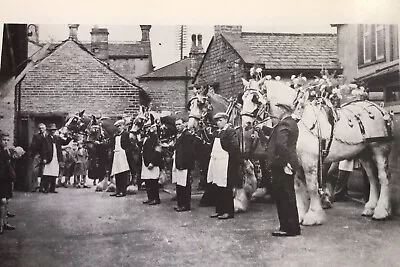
(185, 151)
(38, 145)
(230, 143)
(7, 172)
(281, 147)
(48, 147)
(150, 155)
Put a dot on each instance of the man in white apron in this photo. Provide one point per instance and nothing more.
(184, 157)
(52, 158)
(224, 167)
(120, 166)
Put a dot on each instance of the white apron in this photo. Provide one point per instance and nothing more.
(120, 162)
(218, 167)
(53, 168)
(178, 176)
(346, 165)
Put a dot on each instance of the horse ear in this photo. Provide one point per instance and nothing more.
(94, 120)
(205, 90)
(245, 83)
(261, 82)
(80, 114)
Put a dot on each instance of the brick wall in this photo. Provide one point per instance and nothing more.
(219, 67)
(166, 95)
(70, 80)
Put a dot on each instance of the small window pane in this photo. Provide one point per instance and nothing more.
(380, 42)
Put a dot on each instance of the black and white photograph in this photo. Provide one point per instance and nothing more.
(181, 133)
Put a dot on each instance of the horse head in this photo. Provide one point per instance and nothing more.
(199, 106)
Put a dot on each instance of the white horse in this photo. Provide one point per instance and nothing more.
(362, 129)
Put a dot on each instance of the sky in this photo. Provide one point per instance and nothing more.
(164, 38)
(122, 18)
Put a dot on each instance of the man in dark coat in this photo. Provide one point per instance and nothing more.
(52, 158)
(283, 163)
(184, 158)
(7, 177)
(224, 168)
(122, 163)
(151, 164)
(37, 154)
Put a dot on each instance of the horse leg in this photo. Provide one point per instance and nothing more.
(315, 214)
(383, 208)
(328, 186)
(302, 200)
(373, 190)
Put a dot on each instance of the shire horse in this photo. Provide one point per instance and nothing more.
(361, 129)
(202, 107)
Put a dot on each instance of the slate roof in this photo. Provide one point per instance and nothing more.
(174, 70)
(72, 70)
(126, 49)
(286, 50)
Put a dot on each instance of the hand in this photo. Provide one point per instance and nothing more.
(288, 169)
(44, 161)
(97, 142)
(151, 166)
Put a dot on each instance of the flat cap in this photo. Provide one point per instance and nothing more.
(119, 122)
(221, 115)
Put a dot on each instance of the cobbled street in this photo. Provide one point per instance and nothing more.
(80, 227)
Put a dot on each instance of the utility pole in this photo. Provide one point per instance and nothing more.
(181, 39)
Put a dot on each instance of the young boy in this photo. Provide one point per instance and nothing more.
(7, 177)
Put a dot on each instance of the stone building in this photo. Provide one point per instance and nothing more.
(232, 52)
(369, 53)
(168, 86)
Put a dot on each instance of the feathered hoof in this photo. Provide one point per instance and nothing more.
(368, 212)
(131, 190)
(314, 218)
(259, 193)
(111, 188)
(326, 203)
(381, 213)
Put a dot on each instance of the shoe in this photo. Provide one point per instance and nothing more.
(182, 209)
(10, 215)
(146, 201)
(177, 208)
(284, 233)
(154, 202)
(120, 195)
(113, 195)
(215, 215)
(8, 227)
(53, 192)
(225, 216)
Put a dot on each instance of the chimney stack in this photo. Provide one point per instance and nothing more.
(193, 48)
(145, 32)
(100, 42)
(196, 54)
(232, 29)
(73, 31)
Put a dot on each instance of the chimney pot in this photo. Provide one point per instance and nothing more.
(100, 42)
(145, 32)
(73, 31)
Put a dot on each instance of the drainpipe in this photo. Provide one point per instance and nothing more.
(186, 86)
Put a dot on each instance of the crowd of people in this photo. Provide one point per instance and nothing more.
(224, 171)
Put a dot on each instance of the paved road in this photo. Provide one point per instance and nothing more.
(80, 227)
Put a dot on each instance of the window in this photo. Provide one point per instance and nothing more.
(392, 94)
(371, 43)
